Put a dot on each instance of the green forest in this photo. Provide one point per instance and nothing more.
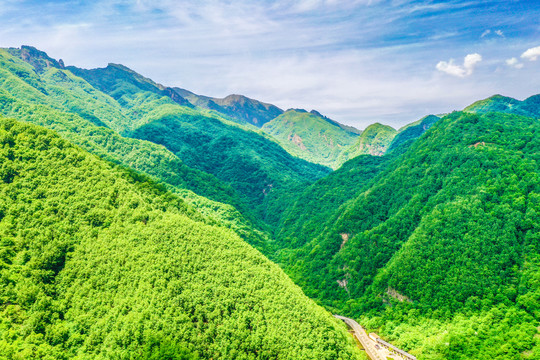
(139, 221)
(447, 230)
(99, 262)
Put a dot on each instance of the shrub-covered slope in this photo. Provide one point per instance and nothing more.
(311, 136)
(374, 140)
(97, 262)
(450, 227)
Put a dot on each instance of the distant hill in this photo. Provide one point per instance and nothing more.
(374, 140)
(238, 107)
(99, 262)
(311, 136)
(498, 103)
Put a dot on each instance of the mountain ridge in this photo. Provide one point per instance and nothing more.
(239, 107)
(431, 239)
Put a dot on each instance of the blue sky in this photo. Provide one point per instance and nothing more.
(356, 61)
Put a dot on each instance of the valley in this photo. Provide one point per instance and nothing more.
(144, 221)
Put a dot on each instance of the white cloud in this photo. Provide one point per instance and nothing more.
(531, 54)
(489, 32)
(469, 63)
(450, 68)
(513, 62)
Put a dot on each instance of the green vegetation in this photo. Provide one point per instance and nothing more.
(318, 204)
(374, 140)
(259, 170)
(98, 262)
(136, 251)
(497, 103)
(41, 100)
(408, 134)
(82, 113)
(311, 136)
(449, 228)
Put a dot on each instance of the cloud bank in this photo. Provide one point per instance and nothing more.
(531, 54)
(469, 63)
(514, 62)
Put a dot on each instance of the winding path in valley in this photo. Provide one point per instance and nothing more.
(362, 336)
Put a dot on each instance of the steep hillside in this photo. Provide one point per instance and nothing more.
(98, 262)
(238, 107)
(316, 207)
(260, 171)
(69, 105)
(374, 140)
(498, 103)
(448, 228)
(311, 136)
(94, 107)
(408, 134)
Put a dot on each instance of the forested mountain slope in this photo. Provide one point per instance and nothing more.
(69, 105)
(450, 227)
(260, 171)
(311, 136)
(79, 109)
(238, 107)
(498, 103)
(97, 262)
(408, 134)
(317, 206)
(374, 140)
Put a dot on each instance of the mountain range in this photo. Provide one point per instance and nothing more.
(141, 221)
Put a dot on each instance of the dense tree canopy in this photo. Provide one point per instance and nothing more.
(450, 226)
(136, 251)
(99, 262)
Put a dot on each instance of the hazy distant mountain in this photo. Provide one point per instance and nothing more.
(237, 107)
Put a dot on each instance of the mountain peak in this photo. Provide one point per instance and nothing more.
(37, 58)
(296, 110)
(235, 97)
(239, 107)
